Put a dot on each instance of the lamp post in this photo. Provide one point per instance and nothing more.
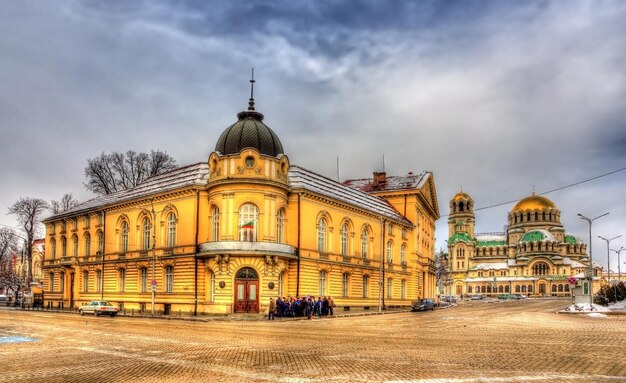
(608, 258)
(619, 270)
(608, 254)
(590, 221)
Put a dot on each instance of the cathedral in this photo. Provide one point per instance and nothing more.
(227, 234)
(534, 257)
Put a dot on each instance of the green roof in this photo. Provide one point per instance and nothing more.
(459, 237)
(570, 239)
(533, 236)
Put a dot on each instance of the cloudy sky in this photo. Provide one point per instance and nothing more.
(496, 97)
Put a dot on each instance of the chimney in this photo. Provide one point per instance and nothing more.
(379, 180)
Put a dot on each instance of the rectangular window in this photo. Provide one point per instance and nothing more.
(99, 280)
(61, 282)
(51, 282)
(322, 283)
(403, 289)
(86, 281)
(366, 282)
(169, 279)
(144, 280)
(344, 285)
(87, 222)
(122, 280)
(389, 288)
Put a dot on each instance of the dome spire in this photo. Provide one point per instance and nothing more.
(251, 101)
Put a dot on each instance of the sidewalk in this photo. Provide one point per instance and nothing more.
(188, 316)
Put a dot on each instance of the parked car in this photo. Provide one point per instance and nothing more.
(505, 296)
(98, 308)
(477, 297)
(517, 296)
(448, 298)
(423, 305)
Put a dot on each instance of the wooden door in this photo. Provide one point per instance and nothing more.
(246, 296)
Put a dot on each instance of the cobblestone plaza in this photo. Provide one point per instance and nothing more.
(473, 342)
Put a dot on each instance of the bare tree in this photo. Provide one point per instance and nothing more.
(28, 212)
(109, 173)
(67, 202)
(9, 279)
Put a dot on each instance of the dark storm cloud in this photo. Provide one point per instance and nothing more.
(496, 96)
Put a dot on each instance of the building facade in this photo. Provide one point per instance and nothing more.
(533, 257)
(226, 235)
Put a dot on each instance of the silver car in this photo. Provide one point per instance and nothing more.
(98, 308)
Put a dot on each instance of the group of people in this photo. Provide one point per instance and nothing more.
(300, 307)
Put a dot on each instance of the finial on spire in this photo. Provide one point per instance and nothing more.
(251, 102)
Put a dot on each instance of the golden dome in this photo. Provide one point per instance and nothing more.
(461, 197)
(534, 202)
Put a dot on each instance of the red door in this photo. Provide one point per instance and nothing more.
(246, 296)
(246, 291)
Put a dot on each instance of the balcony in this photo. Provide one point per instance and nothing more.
(244, 247)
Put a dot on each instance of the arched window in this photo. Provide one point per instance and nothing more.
(248, 222)
(364, 241)
(506, 289)
(344, 239)
(483, 289)
(63, 247)
(75, 246)
(523, 288)
(321, 235)
(345, 280)
(389, 288)
(124, 237)
(215, 224)
(500, 289)
(53, 248)
(389, 252)
(322, 283)
(171, 230)
(280, 226)
(566, 288)
(403, 254)
(469, 289)
(554, 288)
(530, 288)
(540, 268)
(517, 289)
(87, 245)
(100, 242)
(146, 226)
(169, 279)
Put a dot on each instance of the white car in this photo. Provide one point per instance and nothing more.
(98, 308)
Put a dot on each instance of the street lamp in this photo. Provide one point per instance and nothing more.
(619, 270)
(608, 254)
(590, 221)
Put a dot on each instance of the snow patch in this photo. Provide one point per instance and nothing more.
(586, 308)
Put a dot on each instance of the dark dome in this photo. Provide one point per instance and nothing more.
(249, 132)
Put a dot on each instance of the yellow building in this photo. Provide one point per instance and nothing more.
(226, 235)
(533, 257)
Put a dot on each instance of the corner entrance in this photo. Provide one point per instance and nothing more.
(246, 291)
